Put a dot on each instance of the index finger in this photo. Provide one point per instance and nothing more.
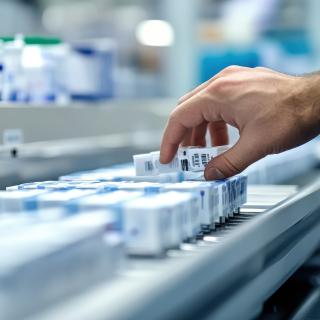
(173, 135)
(188, 115)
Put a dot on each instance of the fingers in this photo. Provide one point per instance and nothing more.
(187, 139)
(173, 135)
(187, 116)
(218, 133)
(199, 135)
(235, 160)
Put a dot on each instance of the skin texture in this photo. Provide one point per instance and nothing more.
(273, 112)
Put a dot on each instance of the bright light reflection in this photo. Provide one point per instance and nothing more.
(156, 33)
(31, 57)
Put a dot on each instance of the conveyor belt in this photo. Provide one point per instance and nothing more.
(227, 273)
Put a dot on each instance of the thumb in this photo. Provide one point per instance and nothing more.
(235, 160)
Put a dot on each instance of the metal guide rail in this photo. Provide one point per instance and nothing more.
(229, 272)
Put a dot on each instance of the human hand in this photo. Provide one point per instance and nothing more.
(272, 111)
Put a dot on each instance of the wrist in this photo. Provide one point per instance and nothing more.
(306, 100)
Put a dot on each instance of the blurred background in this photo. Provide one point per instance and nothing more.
(147, 48)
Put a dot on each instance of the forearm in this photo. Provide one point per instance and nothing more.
(310, 99)
(301, 101)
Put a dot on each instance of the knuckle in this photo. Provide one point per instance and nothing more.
(173, 115)
(232, 68)
(223, 85)
(219, 85)
(229, 165)
(176, 116)
(260, 68)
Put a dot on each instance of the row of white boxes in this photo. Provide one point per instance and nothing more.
(152, 217)
(52, 233)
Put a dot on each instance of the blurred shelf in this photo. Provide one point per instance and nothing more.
(40, 161)
(61, 139)
(51, 122)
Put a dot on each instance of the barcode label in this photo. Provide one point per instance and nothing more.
(148, 166)
(174, 164)
(196, 160)
(200, 160)
(184, 165)
(204, 159)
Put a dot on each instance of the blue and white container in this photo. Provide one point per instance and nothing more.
(204, 193)
(243, 188)
(101, 201)
(121, 174)
(1, 68)
(13, 81)
(90, 70)
(55, 198)
(189, 205)
(220, 200)
(146, 187)
(42, 65)
(16, 201)
(152, 224)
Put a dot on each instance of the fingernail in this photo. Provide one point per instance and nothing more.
(214, 174)
(163, 159)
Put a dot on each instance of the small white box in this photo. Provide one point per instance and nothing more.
(243, 188)
(171, 177)
(100, 201)
(55, 198)
(221, 202)
(229, 198)
(193, 176)
(190, 211)
(15, 201)
(24, 186)
(205, 195)
(151, 224)
(186, 159)
(146, 187)
(143, 164)
(234, 194)
(172, 166)
(149, 164)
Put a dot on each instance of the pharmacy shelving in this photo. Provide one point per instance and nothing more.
(50, 140)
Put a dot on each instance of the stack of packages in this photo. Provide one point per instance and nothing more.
(87, 222)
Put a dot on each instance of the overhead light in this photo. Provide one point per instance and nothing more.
(157, 33)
